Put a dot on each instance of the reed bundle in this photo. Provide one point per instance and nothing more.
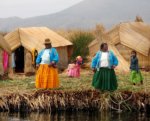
(52, 100)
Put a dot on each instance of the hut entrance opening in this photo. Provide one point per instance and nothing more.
(19, 60)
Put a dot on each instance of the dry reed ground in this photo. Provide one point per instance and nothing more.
(20, 94)
(24, 84)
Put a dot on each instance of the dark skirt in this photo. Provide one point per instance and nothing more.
(105, 80)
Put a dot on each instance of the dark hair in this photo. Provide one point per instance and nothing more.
(102, 45)
(35, 52)
(133, 51)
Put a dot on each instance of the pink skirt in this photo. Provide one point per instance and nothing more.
(74, 72)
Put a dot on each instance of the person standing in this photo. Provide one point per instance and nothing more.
(135, 75)
(34, 56)
(103, 65)
(47, 73)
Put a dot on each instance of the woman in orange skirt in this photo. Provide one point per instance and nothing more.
(47, 73)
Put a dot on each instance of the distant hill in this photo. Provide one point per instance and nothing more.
(85, 15)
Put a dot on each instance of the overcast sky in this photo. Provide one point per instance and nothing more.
(29, 8)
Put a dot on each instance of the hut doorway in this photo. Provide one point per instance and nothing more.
(19, 60)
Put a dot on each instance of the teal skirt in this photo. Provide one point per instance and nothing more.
(105, 80)
(136, 77)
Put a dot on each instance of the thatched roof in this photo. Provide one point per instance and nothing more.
(123, 64)
(4, 45)
(93, 43)
(135, 35)
(34, 37)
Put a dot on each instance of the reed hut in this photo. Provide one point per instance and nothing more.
(22, 41)
(3, 46)
(132, 36)
(124, 38)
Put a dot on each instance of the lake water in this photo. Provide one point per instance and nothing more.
(74, 116)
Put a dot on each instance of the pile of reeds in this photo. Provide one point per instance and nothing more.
(53, 100)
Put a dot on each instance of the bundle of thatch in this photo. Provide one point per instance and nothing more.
(138, 19)
(48, 101)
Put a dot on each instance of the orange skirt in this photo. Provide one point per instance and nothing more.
(47, 77)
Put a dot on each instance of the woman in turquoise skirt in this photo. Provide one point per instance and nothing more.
(135, 75)
(103, 65)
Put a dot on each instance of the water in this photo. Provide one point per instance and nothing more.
(75, 116)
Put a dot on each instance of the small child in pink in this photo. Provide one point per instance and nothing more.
(74, 68)
(71, 70)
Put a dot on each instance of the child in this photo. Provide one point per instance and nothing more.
(135, 75)
(74, 68)
(71, 69)
(79, 62)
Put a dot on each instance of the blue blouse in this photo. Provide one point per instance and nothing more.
(112, 59)
(53, 56)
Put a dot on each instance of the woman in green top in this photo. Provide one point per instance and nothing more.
(135, 75)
